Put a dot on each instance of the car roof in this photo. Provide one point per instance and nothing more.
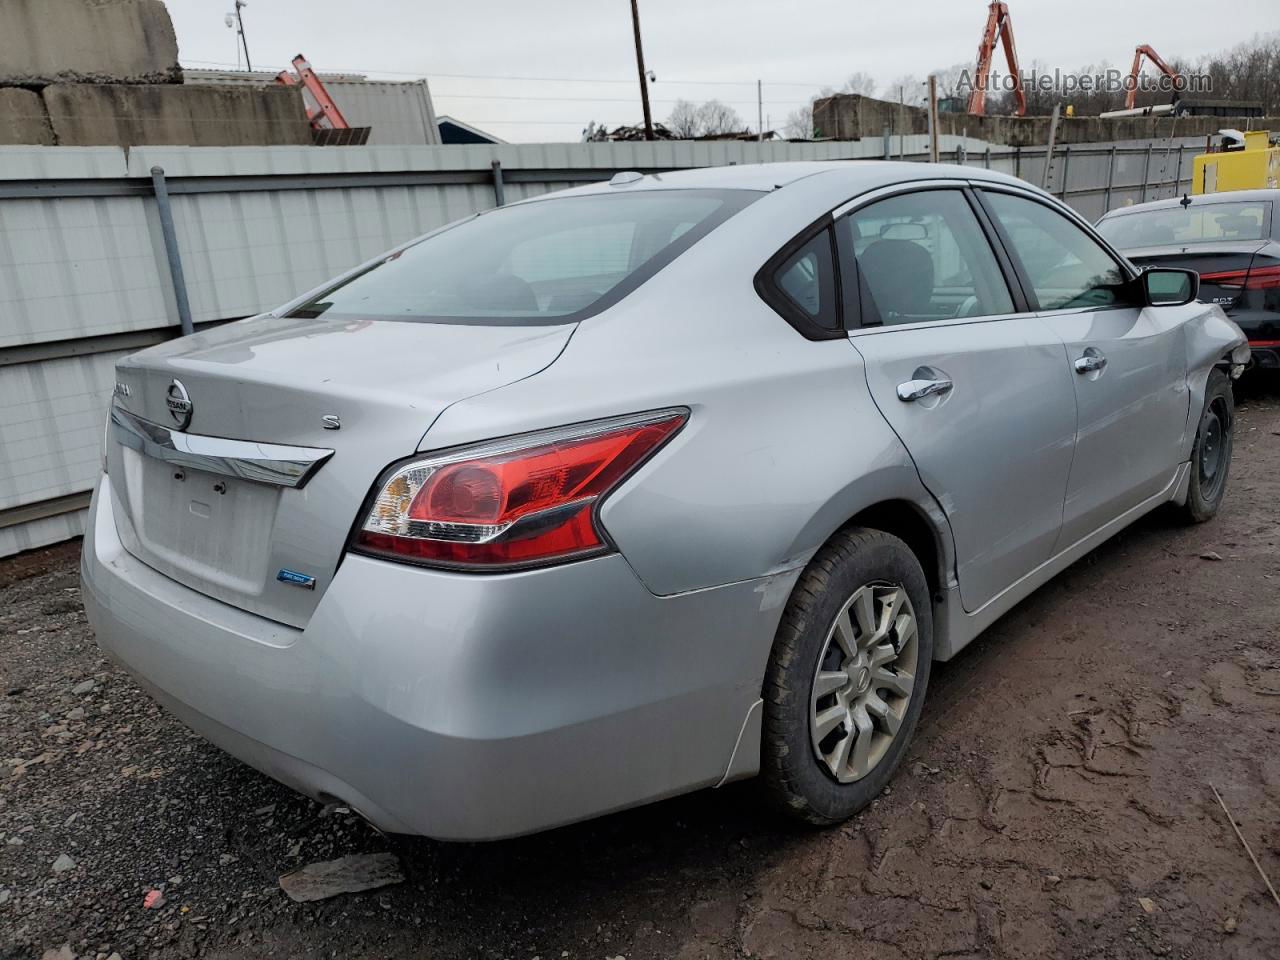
(854, 176)
(1225, 196)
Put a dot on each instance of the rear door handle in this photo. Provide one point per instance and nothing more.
(1090, 362)
(919, 389)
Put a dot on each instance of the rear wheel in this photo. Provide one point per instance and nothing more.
(847, 677)
(1211, 455)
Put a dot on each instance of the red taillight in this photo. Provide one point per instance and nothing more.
(1259, 278)
(526, 500)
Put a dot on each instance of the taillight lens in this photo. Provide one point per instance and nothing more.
(522, 501)
(1259, 278)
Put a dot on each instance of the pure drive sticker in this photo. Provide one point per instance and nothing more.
(297, 579)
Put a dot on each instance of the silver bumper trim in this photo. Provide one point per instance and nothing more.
(270, 463)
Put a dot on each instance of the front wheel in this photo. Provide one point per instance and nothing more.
(846, 677)
(1211, 455)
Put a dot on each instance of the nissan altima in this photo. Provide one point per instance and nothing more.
(643, 487)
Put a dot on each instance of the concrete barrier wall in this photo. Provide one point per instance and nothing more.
(850, 116)
(82, 115)
(86, 41)
(23, 118)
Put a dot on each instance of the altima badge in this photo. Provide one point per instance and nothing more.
(297, 579)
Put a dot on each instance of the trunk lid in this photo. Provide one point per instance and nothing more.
(271, 381)
(1220, 256)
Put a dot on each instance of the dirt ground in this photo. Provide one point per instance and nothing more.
(1056, 803)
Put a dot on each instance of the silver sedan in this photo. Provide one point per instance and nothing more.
(642, 487)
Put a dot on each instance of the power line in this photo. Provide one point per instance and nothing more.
(498, 96)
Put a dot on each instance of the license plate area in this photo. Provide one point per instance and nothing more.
(200, 527)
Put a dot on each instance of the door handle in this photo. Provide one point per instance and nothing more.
(1090, 362)
(919, 389)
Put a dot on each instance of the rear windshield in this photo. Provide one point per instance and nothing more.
(1197, 223)
(550, 261)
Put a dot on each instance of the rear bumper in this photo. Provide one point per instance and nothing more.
(459, 707)
(1265, 355)
(1262, 327)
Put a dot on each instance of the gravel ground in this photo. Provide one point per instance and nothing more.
(1056, 802)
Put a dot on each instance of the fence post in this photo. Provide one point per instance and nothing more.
(1146, 173)
(887, 137)
(1111, 179)
(1047, 171)
(499, 193)
(1017, 162)
(176, 276)
(1066, 166)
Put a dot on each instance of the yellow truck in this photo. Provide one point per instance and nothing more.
(1243, 161)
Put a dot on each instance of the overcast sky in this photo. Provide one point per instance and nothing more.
(699, 49)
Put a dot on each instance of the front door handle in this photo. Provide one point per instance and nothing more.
(1090, 362)
(919, 389)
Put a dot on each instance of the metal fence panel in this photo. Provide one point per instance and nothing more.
(51, 423)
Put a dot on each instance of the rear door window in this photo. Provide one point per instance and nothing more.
(924, 257)
(549, 261)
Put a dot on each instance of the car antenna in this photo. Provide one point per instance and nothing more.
(1185, 201)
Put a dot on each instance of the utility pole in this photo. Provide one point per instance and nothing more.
(902, 128)
(644, 83)
(760, 112)
(243, 41)
(933, 119)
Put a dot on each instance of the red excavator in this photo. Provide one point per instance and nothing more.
(999, 27)
(1131, 97)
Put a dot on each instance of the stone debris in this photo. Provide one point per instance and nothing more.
(350, 874)
(63, 864)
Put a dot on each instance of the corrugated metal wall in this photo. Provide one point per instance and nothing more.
(397, 112)
(84, 277)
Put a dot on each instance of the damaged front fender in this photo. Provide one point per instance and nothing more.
(1212, 339)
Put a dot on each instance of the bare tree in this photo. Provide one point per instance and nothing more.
(716, 117)
(683, 121)
(688, 120)
(909, 87)
(950, 78)
(860, 82)
(799, 124)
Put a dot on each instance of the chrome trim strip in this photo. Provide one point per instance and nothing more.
(959, 182)
(270, 463)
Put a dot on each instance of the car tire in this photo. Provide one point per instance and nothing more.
(814, 771)
(1211, 454)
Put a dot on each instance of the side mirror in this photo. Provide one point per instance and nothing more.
(1169, 286)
